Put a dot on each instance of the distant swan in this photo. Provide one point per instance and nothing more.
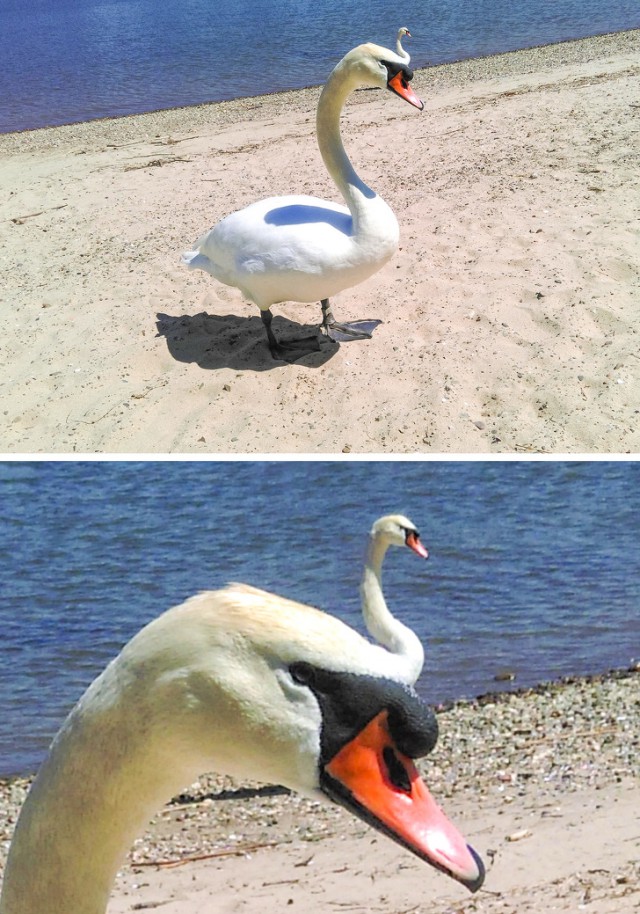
(400, 641)
(301, 248)
(402, 54)
(242, 682)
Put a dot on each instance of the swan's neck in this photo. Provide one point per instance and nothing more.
(381, 625)
(110, 768)
(361, 200)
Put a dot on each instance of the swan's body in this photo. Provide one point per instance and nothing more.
(400, 51)
(238, 681)
(400, 641)
(301, 248)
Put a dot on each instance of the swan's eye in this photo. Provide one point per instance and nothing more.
(396, 770)
(393, 69)
(303, 673)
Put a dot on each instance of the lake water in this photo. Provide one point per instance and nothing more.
(64, 61)
(533, 566)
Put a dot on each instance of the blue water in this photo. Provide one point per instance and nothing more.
(63, 61)
(533, 566)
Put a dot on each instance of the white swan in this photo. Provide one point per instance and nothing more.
(237, 681)
(402, 54)
(300, 248)
(392, 530)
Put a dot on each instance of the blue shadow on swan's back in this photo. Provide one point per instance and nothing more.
(300, 214)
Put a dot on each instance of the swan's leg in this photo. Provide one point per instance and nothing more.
(343, 333)
(290, 350)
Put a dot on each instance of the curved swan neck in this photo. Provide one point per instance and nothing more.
(381, 624)
(109, 770)
(400, 51)
(332, 99)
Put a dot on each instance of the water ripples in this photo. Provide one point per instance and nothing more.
(533, 566)
(74, 60)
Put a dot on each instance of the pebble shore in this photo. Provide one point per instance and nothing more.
(568, 736)
(134, 128)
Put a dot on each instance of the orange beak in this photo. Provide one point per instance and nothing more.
(400, 85)
(413, 542)
(381, 785)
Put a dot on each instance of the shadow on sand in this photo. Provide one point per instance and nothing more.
(213, 341)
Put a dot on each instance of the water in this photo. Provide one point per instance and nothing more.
(63, 61)
(533, 566)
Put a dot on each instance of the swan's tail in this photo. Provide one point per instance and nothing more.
(196, 261)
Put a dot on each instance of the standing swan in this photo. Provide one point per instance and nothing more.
(392, 530)
(238, 681)
(402, 54)
(301, 248)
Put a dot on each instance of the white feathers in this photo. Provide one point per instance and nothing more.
(301, 248)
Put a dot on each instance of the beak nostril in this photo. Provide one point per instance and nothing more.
(396, 770)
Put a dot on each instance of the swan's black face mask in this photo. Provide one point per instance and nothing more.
(372, 728)
(398, 78)
(349, 702)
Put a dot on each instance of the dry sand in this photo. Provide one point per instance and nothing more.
(511, 311)
(543, 783)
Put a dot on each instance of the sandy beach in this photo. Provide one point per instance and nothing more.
(510, 312)
(544, 783)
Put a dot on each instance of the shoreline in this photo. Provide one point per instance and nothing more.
(453, 74)
(477, 67)
(545, 785)
(491, 697)
(508, 311)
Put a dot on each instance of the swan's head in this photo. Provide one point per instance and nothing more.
(402, 32)
(397, 530)
(374, 66)
(287, 694)
(371, 730)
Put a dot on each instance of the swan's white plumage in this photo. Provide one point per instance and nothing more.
(208, 685)
(202, 687)
(301, 248)
(404, 647)
(402, 53)
(294, 248)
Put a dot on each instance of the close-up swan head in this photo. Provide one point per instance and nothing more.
(245, 683)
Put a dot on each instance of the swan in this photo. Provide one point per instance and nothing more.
(243, 682)
(400, 51)
(301, 248)
(400, 641)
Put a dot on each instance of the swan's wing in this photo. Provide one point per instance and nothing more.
(278, 233)
(277, 249)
